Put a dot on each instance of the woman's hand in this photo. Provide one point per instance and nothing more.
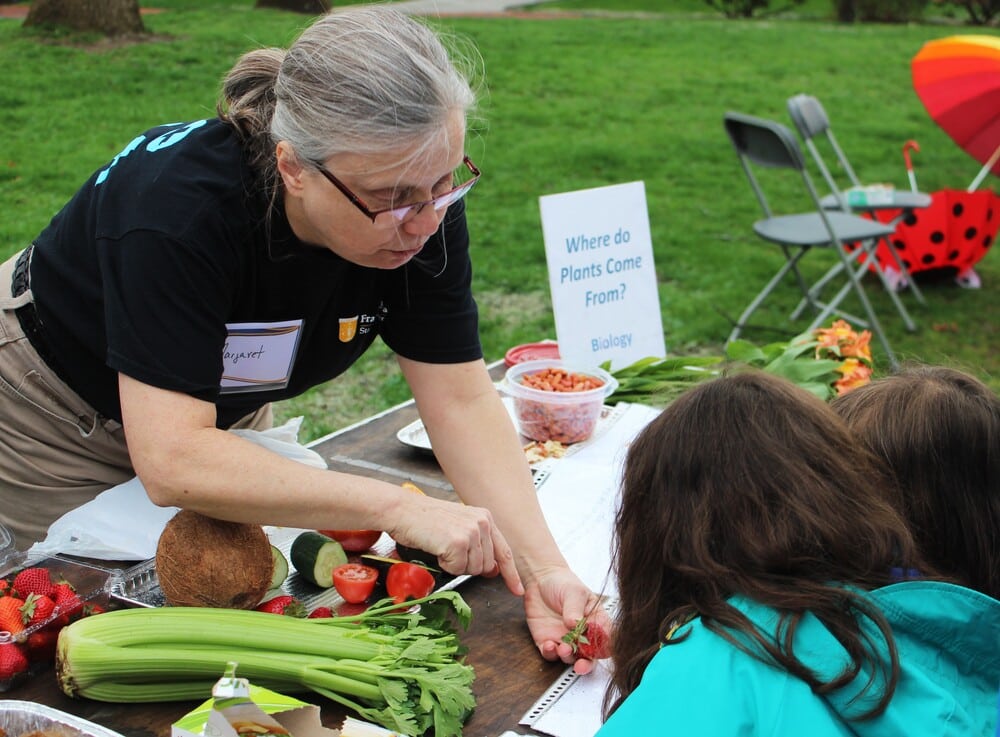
(465, 539)
(554, 601)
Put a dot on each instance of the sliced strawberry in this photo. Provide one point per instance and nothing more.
(33, 581)
(283, 604)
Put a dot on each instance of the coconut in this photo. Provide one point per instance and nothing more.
(201, 561)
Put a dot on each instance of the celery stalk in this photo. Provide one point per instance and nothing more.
(401, 669)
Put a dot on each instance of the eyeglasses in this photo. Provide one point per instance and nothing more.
(398, 215)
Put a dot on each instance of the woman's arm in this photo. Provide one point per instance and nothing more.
(480, 452)
(184, 460)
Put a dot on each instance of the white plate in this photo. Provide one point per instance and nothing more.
(415, 435)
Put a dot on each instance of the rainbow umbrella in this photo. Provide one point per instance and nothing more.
(958, 80)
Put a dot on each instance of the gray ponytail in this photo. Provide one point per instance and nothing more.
(248, 105)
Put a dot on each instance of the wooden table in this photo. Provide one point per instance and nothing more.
(510, 674)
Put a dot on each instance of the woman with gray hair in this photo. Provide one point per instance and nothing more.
(215, 266)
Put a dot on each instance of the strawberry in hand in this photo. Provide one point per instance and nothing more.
(588, 640)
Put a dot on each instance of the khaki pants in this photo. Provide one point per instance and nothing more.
(56, 451)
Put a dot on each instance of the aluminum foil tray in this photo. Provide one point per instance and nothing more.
(139, 585)
(22, 717)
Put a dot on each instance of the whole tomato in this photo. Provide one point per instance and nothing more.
(354, 541)
(407, 581)
(354, 581)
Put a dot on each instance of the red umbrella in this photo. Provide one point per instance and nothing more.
(958, 80)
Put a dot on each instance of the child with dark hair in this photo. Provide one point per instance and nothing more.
(937, 432)
(754, 554)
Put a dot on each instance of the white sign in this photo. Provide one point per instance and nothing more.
(602, 276)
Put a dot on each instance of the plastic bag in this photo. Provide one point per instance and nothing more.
(123, 524)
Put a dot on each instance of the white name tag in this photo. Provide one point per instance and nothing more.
(258, 356)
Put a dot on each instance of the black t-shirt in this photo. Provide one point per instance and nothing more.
(143, 269)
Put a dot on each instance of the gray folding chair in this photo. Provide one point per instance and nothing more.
(813, 123)
(766, 144)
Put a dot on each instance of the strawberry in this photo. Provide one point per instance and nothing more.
(321, 612)
(4, 586)
(90, 610)
(284, 604)
(33, 581)
(589, 640)
(42, 643)
(12, 660)
(11, 616)
(37, 609)
(68, 604)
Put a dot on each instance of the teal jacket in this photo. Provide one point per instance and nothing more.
(948, 639)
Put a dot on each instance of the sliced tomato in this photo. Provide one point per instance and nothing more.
(354, 541)
(407, 581)
(354, 581)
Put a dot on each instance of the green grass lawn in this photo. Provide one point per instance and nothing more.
(570, 103)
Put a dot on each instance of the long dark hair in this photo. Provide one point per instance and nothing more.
(749, 485)
(937, 432)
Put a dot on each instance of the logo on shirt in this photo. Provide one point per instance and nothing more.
(359, 324)
(354, 325)
(348, 328)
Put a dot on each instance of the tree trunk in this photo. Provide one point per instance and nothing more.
(846, 11)
(110, 17)
(311, 7)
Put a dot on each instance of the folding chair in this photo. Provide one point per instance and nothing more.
(761, 143)
(812, 122)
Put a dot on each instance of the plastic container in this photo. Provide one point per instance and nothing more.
(566, 417)
(92, 583)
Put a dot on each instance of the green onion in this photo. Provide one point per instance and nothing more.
(658, 381)
(400, 669)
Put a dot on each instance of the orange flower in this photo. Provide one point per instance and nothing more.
(839, 331)
(842, 337)
(854, 373)
(859, 347)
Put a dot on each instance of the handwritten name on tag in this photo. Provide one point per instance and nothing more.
(258, 356)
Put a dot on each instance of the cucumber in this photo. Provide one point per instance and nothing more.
(315, 556)
(415, 555)
(280, 572)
